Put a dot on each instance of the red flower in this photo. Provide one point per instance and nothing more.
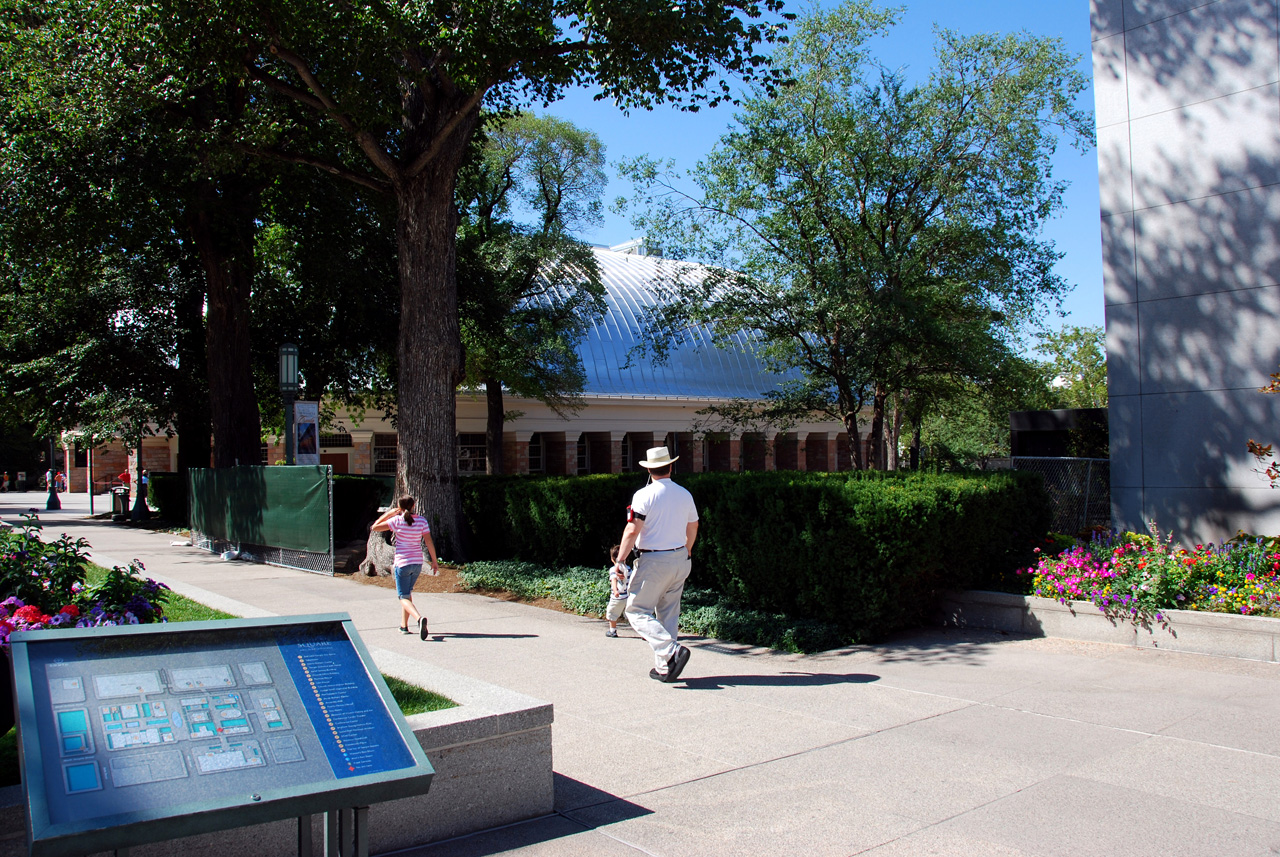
(70, 610)
(31, 615)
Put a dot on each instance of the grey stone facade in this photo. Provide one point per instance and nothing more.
(1188, 112)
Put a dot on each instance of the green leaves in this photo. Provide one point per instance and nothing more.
(878, 236)
(527, 288)
(1077, 365)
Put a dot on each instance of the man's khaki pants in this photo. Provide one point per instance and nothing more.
(653, 607)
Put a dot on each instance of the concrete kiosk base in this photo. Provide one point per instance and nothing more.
(491, 754)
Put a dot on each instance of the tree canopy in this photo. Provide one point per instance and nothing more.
(1077, 365)
(390, 96)
(528, 289)
(876, 234)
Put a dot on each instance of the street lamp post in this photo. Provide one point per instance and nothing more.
(53, 502)
(288, 389)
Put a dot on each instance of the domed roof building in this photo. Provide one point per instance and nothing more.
(633, 403)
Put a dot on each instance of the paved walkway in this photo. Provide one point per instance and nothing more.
(933, 743)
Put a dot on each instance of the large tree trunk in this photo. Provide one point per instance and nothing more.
(855, 443)
(223, 231)
(915, 447)
(191, 405)
(431, 363)
(875, 456)
(895, 434)
(493, 427)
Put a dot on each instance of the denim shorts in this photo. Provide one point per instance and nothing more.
(406, 577)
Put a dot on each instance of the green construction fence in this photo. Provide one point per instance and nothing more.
(287, 508)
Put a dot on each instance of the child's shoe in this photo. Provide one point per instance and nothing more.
(611, 632)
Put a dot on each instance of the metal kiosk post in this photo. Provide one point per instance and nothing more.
(146, 733)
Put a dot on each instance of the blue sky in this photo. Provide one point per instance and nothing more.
(687, 137)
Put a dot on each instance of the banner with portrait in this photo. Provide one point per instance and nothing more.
(306, 427)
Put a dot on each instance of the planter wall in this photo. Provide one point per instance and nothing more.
(491, 754)
(1224, 634)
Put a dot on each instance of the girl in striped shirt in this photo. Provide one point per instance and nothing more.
(412, 535)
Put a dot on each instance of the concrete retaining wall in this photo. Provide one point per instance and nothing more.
(491, 754)
(1252, 637)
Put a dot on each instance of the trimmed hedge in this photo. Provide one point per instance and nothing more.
(866, 551)
(167, 494)
(556, 521)
(863, 550)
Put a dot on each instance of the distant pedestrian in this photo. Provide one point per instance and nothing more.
(412, 534)
(619, 580)
(143, 482)
(4, 484)
(662, 524)
(124, 479)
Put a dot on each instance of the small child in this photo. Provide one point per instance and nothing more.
(619, 587)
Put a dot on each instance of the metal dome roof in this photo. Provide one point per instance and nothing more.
(694, 369)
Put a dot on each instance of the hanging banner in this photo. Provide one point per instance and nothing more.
(306, 419)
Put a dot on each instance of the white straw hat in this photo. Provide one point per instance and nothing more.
(659, 456)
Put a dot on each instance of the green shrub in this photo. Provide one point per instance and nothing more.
(355, 504)
(864, 551)
(167, 494)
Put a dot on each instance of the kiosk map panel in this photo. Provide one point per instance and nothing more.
(130, 723)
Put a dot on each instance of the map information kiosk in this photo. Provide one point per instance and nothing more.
(147, 733)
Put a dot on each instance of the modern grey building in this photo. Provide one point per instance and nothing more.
(1188, 114)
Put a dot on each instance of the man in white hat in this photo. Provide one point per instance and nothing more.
(662, 524)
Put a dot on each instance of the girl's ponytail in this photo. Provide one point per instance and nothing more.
(406, 505)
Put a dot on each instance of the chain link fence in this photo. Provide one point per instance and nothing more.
(1079, 490)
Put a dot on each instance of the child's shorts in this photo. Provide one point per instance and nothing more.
(617, 606)
(406, 577)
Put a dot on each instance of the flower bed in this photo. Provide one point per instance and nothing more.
(1138, 578)
(43, 585)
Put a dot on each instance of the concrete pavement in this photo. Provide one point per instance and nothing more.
(933, 743)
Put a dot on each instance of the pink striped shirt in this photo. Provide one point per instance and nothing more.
(408, 539)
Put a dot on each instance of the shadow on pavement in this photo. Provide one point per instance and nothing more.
(572, 796)
(461, 635)
(788, 679)
(952, 646)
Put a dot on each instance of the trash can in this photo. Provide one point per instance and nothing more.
(119, 501)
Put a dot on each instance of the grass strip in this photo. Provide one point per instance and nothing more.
(415, 700)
